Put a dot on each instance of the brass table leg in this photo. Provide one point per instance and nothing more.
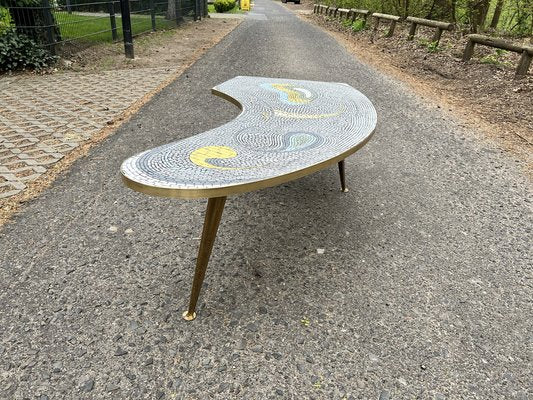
(343, 176)
(213, 214)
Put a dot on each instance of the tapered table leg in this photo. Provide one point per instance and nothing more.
(343, 176)
(213, 214)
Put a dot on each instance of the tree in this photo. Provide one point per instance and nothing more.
(174, 9)
(497, 13)
(477, 13)
(442, 10)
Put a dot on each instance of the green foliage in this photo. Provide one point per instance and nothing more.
(432, 47)
(358, 25)
(494, 58)
(224, 5)
(5, 20)
(18, 51)
(234, 10)
(516, 15)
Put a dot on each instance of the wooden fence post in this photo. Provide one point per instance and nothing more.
(391, 29)
(524, 63)
(437, 35)
(412, 31)
(469, 50)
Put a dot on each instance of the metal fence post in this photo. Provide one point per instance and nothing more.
(113, 20)
(50, 26)
(152, 14)
(179, 18)
(126, 28)
(69, 7)
(196, 13)
(206, 11)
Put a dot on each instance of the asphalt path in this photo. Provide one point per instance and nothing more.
(424, 288)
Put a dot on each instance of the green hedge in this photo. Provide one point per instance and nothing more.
(224, 5)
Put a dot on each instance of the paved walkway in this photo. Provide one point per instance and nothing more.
(42, 118)
(421, 287)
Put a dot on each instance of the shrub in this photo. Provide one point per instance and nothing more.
(17, 51)
(358, 25)
(432, 47)
(5, 19)
(224, 5)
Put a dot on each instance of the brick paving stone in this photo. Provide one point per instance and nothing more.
(44, 117)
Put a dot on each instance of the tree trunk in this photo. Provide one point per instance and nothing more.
(442, 10)
(477, 10)
(429, 15)
(453, 8)
(171, 9)
(496, 15)
(483, 10)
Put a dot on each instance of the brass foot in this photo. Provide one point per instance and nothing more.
(345, 190)
(187, 316)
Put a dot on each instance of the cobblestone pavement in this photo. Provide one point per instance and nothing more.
(44, 117)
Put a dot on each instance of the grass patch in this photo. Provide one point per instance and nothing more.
(356, 26)
(494, 58)
(432, 47)
(234, 10)
(95, 28)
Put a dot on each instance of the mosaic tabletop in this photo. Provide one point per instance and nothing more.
(287, 129)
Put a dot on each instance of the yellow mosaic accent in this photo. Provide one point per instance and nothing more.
(201, 155)
(285, 114)
(294, 96)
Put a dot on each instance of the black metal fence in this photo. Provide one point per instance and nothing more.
(81, 23)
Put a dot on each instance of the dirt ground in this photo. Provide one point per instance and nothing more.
(482, 93)
(171, 47)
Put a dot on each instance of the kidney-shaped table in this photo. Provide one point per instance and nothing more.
(287, 129)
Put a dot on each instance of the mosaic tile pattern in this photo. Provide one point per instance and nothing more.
(42, 118)
(285, 126)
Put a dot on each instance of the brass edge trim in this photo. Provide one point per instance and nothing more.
(227, 97)
(244, 187)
